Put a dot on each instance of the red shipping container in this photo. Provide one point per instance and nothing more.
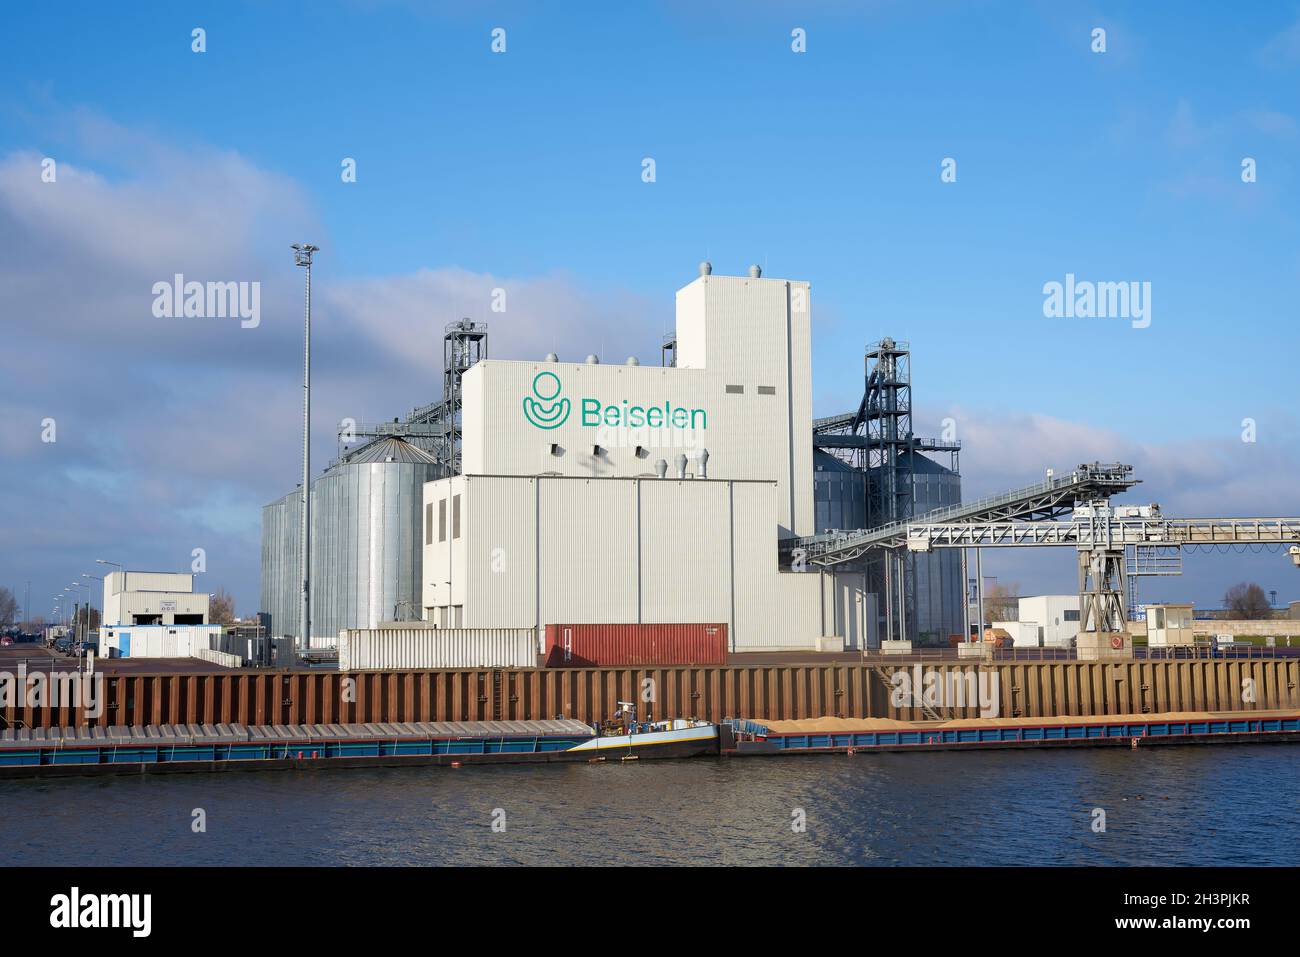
(620, 646)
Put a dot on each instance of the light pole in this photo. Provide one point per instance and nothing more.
(88, 603)
(302, 253)
(76, 587)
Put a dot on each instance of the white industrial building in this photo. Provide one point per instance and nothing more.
(598, 493)
(153, 598)
(155, 615)
(1054, 619)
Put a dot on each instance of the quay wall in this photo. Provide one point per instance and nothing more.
(769, 691)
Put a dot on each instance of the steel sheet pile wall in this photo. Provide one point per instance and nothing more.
(1035, 689)
(368, 649)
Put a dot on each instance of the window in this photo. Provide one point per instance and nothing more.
(1071, 616)
(735, 390)
(767, 390)
(428, 524)
(455, 516)
(442, 519)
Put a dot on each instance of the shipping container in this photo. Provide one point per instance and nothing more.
(609, 646)
(422, 647)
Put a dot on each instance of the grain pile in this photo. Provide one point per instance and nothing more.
(846, 725)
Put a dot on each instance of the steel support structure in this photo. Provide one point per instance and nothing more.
(1101, 540)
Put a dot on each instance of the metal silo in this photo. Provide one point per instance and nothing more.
(366, 549)
(839, 494)
(938, 586)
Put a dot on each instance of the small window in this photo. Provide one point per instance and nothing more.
(1071, 616)
(735, 390)
(455, 516)
(428, 524)
(767, 390)
(442, 519)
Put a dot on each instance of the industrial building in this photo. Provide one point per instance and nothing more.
(630, 494)
(1053, 619)
(153, 598)
(155, 614)
(592, 492)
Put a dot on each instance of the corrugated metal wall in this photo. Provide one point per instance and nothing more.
(423, 647)
(366, 548)
(937, 588)
(535, 550)
(1044, 689)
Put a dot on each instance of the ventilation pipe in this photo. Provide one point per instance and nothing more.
(593, 360)
(551, 357)
(704, 463)
(661, 468)
(706, 268)
(755, 272)
(681, 466)
(633, 361)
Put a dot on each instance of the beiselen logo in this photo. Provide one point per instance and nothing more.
(546, 411)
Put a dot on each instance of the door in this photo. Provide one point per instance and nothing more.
(124, 644)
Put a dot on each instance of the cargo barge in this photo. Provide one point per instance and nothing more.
(177, 748)
(846, 736)
(44, 752)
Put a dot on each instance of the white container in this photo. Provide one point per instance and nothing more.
(1024, 634)
(219, 658)
(417, 647)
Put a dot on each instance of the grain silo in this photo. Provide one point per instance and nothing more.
(366, 553)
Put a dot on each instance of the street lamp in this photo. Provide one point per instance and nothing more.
(76, 586)
(88, 602)
(302, 253)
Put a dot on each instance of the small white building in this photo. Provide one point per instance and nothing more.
(1055, 618)
(153, 598)
(155, 615)
(1169, 625)
(159, 641)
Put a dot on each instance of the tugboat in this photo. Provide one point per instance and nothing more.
(625, 738)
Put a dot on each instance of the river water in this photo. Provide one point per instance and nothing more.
(1227, 804)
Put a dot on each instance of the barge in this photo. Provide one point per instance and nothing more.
(45, 752)
(849, 736)
(176, 748)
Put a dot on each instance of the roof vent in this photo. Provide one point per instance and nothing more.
(681, 466)
(551, 357)
(755, 272)
(661, 468)
(704, 463)
(593, 360)
(706, 268)
(633, 361)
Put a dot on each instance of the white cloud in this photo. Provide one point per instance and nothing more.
(172, 433)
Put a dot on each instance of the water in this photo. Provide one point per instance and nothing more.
(1172, 805)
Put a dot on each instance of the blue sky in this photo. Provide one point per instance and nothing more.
(1118, 166)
